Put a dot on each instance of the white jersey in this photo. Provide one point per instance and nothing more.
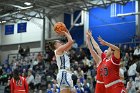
(64, 75)
(63, 61)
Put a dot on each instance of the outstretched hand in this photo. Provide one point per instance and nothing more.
(101, 41)
(90, 33)
(87, 35)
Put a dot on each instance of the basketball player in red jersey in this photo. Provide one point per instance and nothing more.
(100, 88)
(18, 84)
(110, 69)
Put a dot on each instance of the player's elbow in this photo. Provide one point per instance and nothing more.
(71, 42)
(118, 49)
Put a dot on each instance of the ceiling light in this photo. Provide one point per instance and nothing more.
(27, 3)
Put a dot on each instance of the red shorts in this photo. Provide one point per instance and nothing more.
(100, 88)
(116, 88)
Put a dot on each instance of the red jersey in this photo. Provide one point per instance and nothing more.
(100, 87)
(99, 76)
(110, 69)
(99, 72)
(19, 86)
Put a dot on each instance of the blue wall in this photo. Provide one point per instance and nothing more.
(113, 29)
(77, 32)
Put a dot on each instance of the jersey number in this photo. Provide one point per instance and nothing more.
(105, 71)
(19, 83)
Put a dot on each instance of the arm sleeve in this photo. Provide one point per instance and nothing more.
(115, 60)
(26, 86)
(11, 86)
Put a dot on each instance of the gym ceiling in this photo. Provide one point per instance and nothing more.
(14, 10)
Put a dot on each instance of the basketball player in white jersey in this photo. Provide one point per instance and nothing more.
(63, 62)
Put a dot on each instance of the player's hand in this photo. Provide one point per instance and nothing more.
(101, 41)
(62, 33)
(87, 35)
(67, 31)
(89, 32)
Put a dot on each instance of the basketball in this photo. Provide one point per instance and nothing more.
(59, 27)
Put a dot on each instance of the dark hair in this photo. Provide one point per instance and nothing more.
(52, 43)
(16, 74)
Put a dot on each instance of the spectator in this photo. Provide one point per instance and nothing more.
(23, 75)
(74, 78)
(80, 74)
(122, 71)
(126, 58)
(87, 64)
(52, 68)
(130, 51)
(7, 87)
(1, 72)
(124, 50)
(137, 82)
(55, 89)
(137, 51)
(132, 71)
(27, 51)
(130, 62)
(78, 87)
(75, 65)
(49, 89)
(37, 81)
(86, 87)
(4, 78)
(131, 86)
(80, 54)
(30, 80)
(138, 67)
(40, 67)
(21, 51)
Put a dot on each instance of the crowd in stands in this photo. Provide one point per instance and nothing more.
(40, 69)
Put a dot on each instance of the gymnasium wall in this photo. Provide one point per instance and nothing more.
(32, 36)
(33, 32)
(105, 23)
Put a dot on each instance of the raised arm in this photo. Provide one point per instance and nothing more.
(113, 47)
(66, 46)
(95, 45)
(95, 56)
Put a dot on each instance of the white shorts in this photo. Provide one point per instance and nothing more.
(64, 79)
